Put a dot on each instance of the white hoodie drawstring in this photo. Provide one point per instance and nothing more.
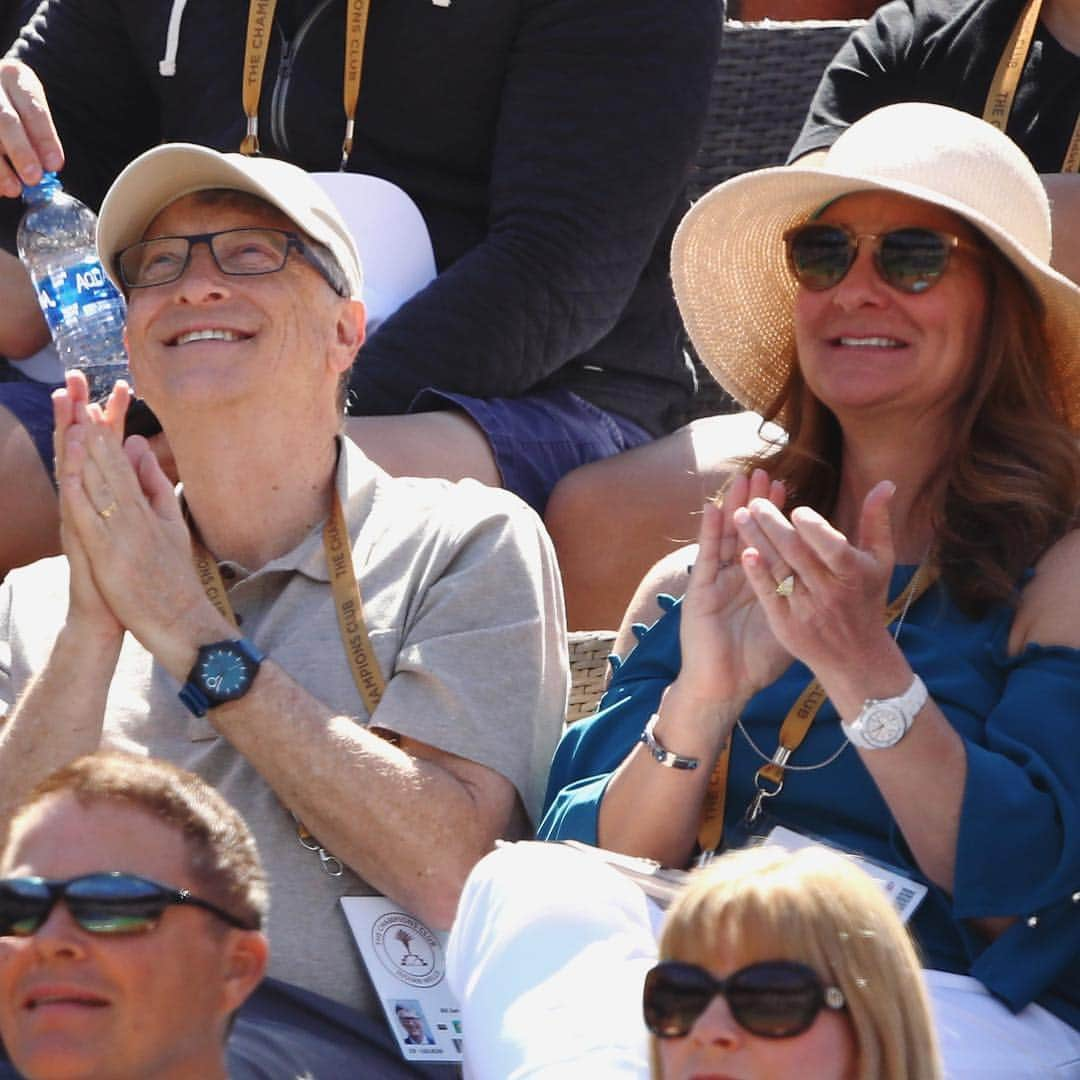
(167, 64)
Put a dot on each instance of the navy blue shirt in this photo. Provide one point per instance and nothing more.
(1018, 850)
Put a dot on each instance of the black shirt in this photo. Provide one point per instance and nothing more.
(946, 52)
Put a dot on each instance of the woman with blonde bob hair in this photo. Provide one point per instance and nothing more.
(816, 946)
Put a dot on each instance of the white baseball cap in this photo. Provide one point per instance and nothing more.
(157, 178)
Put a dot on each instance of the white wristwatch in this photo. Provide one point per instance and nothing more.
(883, 722)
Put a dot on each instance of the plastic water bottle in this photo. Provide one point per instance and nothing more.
(84, 310)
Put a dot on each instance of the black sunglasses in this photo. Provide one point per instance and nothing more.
(776, 999)
(242, 252)
(910, 259)
(105, 903)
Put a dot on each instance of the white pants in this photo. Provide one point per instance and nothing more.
(549, 951)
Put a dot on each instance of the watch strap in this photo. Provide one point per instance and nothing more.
(193, 695)
(908, 705)
(660, 753)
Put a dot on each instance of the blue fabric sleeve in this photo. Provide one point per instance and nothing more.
(1018, 850)
(592, 749)
(1022, 794)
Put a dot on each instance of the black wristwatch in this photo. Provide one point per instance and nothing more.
(223, 671)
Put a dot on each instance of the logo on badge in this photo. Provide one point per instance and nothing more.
(408, 949)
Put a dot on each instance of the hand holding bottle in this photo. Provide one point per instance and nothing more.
(29, 144)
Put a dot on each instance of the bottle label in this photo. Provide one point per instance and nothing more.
(74, 292)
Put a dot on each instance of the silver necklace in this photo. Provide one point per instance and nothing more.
(912, 587)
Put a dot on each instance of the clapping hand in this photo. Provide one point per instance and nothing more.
(831, 619)
(124, 531)
(729, 651)
(71, 410)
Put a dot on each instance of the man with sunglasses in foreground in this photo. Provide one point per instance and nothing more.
(378, 731)
(131, 902)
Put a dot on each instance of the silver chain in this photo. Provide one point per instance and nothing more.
(912, 586)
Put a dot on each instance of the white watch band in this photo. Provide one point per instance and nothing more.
(883, 722)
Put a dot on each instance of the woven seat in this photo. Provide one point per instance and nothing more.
(765, 77)
(589, 650)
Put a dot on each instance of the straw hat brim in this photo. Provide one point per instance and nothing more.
(736, 292)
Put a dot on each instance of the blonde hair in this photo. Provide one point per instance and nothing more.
(818, 908)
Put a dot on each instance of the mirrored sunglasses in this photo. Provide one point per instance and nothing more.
(776, 999)
(909, 259)
(104, 903)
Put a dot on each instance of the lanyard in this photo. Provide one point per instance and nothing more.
(356, 18)
(999, 101)
(769, 779)
(354, 635)
(260, 21)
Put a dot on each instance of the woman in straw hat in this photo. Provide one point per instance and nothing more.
(878, 642)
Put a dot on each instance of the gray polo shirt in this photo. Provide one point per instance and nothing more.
(464, 608)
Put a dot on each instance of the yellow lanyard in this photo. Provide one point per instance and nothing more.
(259, 28)
(260, 22)
(999, 101)
(356, 19)
(354, 635)
(769, 779)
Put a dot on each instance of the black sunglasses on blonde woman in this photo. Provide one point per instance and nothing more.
(776, 999)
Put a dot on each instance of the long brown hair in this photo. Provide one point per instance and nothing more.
(1011, 475)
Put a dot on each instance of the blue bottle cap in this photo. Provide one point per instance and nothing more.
(46, 186)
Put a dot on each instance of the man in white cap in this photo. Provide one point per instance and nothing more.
(374, 745)
(549, 336)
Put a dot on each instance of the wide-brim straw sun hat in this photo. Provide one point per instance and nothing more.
(736, 291)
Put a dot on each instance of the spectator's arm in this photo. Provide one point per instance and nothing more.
(1018, 850)
(670, 577)
(70, 83)
(410, 819)
(59, 717)
(592, 749)
(102, 108)
(59, 714)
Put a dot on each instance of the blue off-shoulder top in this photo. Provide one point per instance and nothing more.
(1018, 851)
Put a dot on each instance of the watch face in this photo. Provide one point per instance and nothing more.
(224, 674)
(883, 726)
